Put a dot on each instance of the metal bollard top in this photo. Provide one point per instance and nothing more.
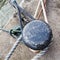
(37, 35)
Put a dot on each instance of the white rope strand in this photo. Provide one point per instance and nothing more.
(44, 12)
(37, 9)
(40, 54)
(13, 48)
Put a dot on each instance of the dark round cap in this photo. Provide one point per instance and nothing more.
(37, 35)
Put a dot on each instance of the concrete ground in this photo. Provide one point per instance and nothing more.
(22, 52)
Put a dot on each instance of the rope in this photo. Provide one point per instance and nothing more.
(44, 12)
(37, 9)
(40, 54)
(41, 10)
(13, 48)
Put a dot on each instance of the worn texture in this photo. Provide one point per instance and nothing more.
(22, 52)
